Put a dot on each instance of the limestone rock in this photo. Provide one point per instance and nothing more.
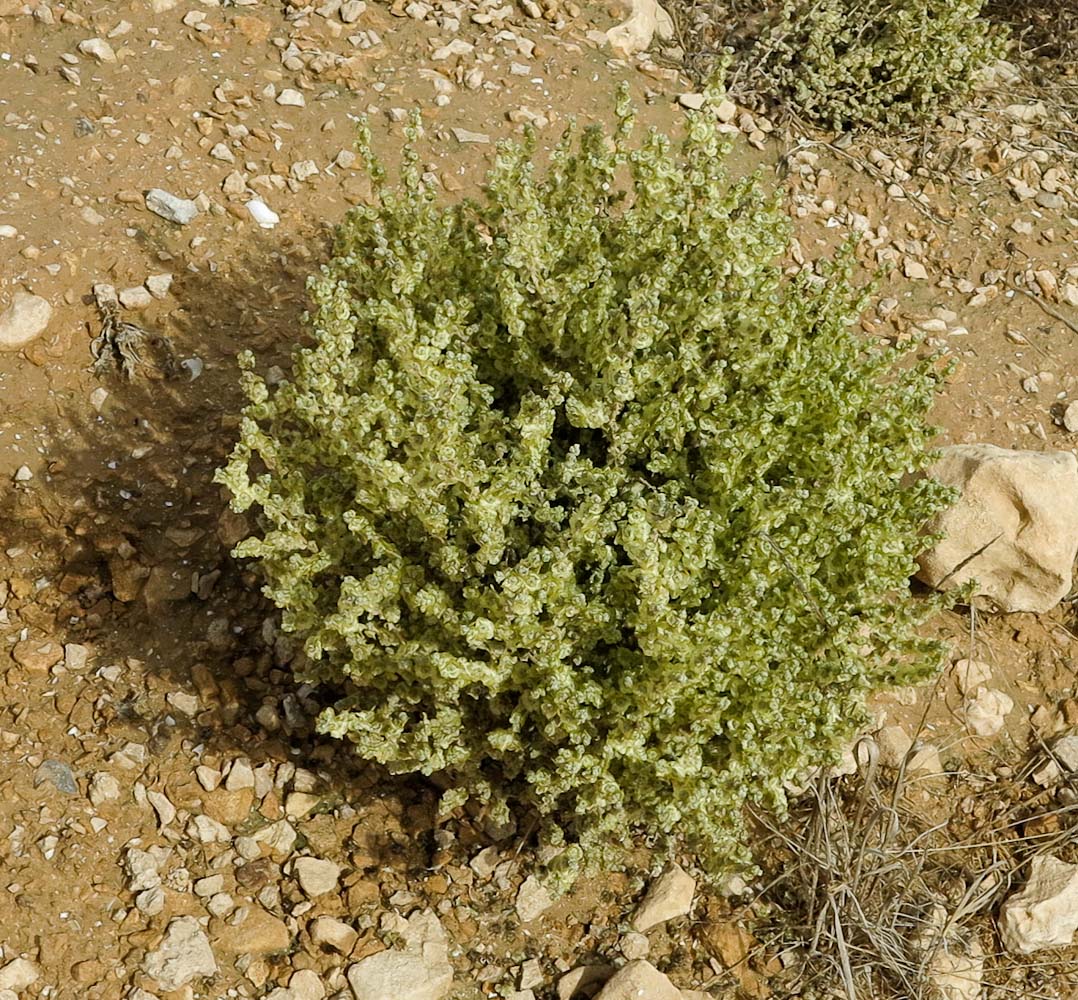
(329, 932)
(305, 985)
(316, 877)
(169, 206)
(19, 975)
(183, 955)
(635, 34)
(420, 972)
(971, 674)
(987, 711)
(638, 980)
(1014, 528)
(1065, 750)
(957, 973)
(23, 321)
(258, 934)
(670, 896)
(1045, 913)
(894, 743)
(533, 900)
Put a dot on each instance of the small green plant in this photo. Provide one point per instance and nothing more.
(875, 63)
(580, 501)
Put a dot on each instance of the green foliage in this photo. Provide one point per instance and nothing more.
(579, 500)
(852, 63)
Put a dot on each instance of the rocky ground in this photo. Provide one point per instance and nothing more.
(169, 826)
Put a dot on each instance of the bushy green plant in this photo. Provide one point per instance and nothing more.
(579, 501)
(852, 63)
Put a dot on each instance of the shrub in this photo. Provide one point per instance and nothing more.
(851, 63)
(577, 500)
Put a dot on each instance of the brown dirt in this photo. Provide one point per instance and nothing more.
(119, 541)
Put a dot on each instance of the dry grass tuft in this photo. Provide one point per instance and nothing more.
(869, 899)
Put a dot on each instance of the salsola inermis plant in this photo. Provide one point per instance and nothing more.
(579, 502)
(854, 63)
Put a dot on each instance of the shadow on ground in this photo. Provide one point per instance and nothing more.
(129, 540)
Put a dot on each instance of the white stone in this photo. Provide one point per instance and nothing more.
(169, 206)
(1065, 750)
(98, 49)
(209, 886)
(290, 98)
(670, 896)
(1045, 913)
(23, 321)
(639, 980)
(262, 213)
(531, 974)
(971, 674)
(279, 837)
(986, 712)
(333, 933)
(221, 152)
(305, 985)
(166, 811)
(420, 972)
(142, 868)
(484, 863)
(694, 102)
(19, 975)
(533, 900)
(957, 976)
(220, 904)
(136, 298)
(352, 10)
(183, 955)
(894, 743)
(1014, 527)
(636, 32)
(240, 776)
(103, 788)
(1070, 417)
(183, 702)
(462, 135)
(316, 876)
(457, 47)
(1047, 774)
(150, 901)
(208, 831)
(634, 946)
(76, 657)
(303, 169)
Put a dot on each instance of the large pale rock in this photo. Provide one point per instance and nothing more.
(957, 973)
(639, 981)
(986, 712)
(533, 900)
(1014, 528)
(19, 974)
(670, 896)
(634, 34)
(420, 972)
(183, 955)
(23, 321)
(1045, 913)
